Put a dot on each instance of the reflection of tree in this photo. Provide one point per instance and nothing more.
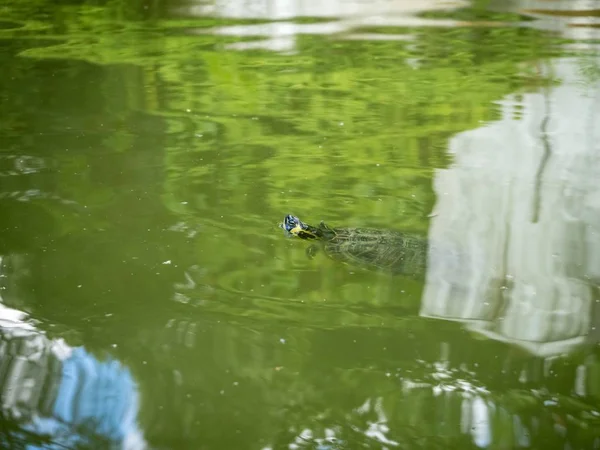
(268, 113)
(348, 128)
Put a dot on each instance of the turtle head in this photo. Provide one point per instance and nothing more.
(296, 227)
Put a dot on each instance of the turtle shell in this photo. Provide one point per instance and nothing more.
(387, 250)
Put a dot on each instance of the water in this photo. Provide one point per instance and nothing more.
(148, 152)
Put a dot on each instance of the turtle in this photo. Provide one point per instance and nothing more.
(371, 248)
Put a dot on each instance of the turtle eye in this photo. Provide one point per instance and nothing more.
(289, 222)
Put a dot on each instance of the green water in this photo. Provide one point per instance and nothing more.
(148, 152)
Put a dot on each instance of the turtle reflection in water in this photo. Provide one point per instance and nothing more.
(371, 248)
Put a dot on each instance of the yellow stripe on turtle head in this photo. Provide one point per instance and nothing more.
(303, 233)
(297, 229)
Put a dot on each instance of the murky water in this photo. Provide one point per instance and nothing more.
(148, 151)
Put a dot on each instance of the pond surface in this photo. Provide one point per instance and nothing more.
(149, 150)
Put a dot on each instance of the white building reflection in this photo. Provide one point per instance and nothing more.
(290, 9)
(521, 203)
(342, 18)
(337, 17)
